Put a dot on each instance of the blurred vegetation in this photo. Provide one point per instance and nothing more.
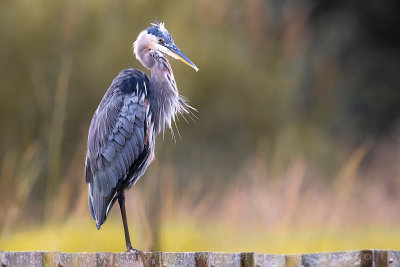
(298, 124)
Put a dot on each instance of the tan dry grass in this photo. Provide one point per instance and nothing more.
(294, 208)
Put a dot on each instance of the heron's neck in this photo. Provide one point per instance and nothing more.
(163, 93)
(161, 72)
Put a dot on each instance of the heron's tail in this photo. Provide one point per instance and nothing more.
(99, 206)
(97, 209)
(102, 194)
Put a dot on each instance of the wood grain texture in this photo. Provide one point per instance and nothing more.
(364, 258)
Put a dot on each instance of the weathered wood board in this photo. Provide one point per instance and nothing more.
(364, 258)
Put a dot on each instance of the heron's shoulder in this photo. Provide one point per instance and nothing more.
(131, 80)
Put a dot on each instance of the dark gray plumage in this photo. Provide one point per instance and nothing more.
(122, 133)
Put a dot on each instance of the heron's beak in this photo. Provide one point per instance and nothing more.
(174, 51)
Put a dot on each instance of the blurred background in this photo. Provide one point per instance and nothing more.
(296, 147)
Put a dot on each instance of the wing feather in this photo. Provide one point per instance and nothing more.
(119, 138)
(125, 133)
(139, 132)
(126, 124)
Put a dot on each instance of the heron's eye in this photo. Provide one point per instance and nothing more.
(160, 41)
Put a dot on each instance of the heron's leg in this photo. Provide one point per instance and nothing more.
(121, 201)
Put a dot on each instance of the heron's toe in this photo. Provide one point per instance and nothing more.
(132, 250)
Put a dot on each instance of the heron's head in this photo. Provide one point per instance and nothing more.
(159, 39)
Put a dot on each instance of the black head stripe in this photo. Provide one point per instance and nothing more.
(155, 30)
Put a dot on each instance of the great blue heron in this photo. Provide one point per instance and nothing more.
(123, 130)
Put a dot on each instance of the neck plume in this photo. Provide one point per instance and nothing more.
(166, 102)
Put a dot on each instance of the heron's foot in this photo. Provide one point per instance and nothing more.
(130, 249)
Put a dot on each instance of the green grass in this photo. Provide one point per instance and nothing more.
(76, 236)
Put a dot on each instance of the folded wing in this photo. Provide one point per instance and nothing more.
(116, 139)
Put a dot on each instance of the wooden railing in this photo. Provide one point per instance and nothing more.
(362, 258)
